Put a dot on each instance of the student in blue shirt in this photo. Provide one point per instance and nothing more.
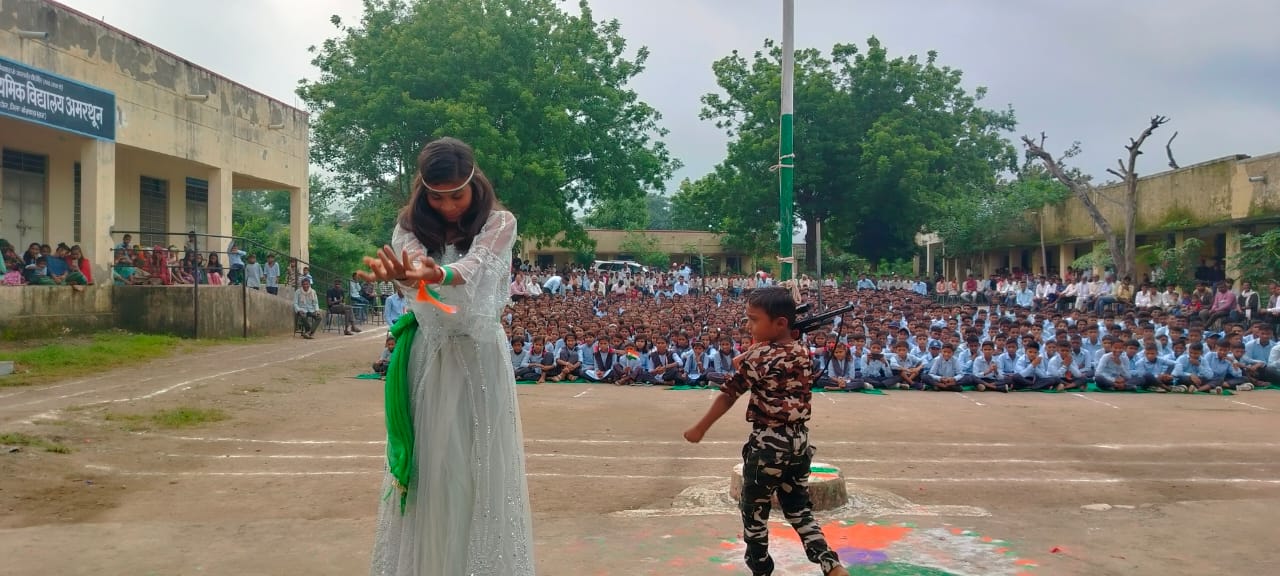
(1092, 343)
(906, 368)
(1225, 369)
(520, 360)
(946, 371)
(840, 371)
(1063, 367)
(569, 359)
(1155, 372)
(1033, 370)
(984, 372)
(693, 373)
(1257, 354)
(604, 358)
(1191, 371)
(1112, 372)
(875, 370)
(720, 362)
(1008, 364)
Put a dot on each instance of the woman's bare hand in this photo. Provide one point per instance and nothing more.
(386, 266)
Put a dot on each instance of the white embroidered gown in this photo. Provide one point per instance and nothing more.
(467, 512)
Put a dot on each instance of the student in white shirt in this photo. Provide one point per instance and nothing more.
(271, 272)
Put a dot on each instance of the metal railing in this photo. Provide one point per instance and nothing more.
(293, 267)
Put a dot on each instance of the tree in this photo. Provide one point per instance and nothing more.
(651, 212)
(1259, 258)
(880, 142)
(1124, 251)
(1173, 265)
(983, 218)
(539, 93)
(644, 249)
(728, 203)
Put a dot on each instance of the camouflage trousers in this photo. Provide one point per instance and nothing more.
(775, 461)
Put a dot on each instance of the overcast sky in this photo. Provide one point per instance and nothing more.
(1087, 70)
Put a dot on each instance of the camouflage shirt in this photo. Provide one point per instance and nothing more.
(778, 376)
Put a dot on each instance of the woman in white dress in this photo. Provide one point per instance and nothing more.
(465, 506)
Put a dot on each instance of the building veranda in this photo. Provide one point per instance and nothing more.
(103, 133)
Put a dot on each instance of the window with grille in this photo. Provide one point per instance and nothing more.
(198, 205)
(75, 209)
(24, 162)
(153, 203)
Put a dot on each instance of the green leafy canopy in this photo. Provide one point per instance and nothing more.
(540, 94)
(881, 143)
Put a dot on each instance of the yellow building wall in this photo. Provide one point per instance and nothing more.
(1212, 192)
(235, 128)
(680, 244)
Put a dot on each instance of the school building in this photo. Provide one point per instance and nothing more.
(1216, 201)
(692, 246)
(101, 131)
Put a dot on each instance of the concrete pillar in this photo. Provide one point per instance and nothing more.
(1233, 250)
(98, 205)
(299, 221)
(1066, 253)
(1015, 259)
(219, 209)
(928, 260)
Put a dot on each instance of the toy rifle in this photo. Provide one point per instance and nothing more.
(814, 321)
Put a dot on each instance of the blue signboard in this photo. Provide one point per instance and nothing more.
(38, 96)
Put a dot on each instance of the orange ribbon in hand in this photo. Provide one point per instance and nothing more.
(428, 295)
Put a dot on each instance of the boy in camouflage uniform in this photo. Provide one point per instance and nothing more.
(775, 460)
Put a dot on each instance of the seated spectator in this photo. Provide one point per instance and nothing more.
(306, 309)
(77, 261)
(214, 270)
(380, 367)
(394, 308)
(335, 299)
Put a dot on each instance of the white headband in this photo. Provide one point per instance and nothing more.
(464, 184)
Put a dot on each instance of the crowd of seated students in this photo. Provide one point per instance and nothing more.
(899, 336)
(42, 265)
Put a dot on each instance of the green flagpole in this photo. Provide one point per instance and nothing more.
(786, 157)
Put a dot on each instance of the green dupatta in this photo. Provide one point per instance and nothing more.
(399, 411)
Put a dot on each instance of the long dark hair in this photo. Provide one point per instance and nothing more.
(443, 161)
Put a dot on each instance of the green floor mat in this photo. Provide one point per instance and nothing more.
(687, 387)
(367, 376)
(1093, 387)
(873, 391)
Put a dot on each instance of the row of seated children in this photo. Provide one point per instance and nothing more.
(621, 363)
(1203, 367)
(1035, 360)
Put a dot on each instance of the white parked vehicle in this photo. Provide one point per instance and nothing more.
(628, 266)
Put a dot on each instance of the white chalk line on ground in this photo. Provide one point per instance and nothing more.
(833, 457)
(263, 440)
(1137, 446)
(971, 399)
(1250, 405)
(171, 363)
(225, 373)
(184, 385)
(582, 393)
(1006, 479)
(1092, 399)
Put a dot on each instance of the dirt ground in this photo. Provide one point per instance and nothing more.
(941, 483)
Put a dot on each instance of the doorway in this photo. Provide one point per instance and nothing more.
(22, 203)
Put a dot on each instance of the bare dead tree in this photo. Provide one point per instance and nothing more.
(1123, 252)
(1168, 148)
